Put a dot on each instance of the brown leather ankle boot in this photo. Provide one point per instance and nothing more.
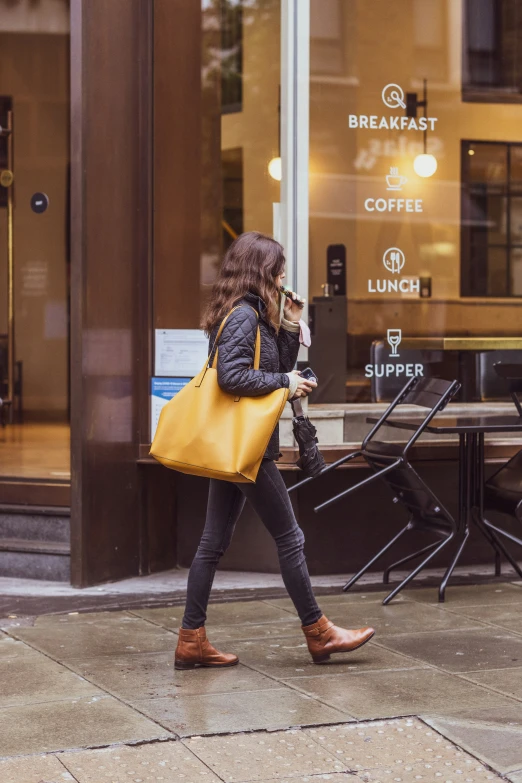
(324, 638)
(194, 649)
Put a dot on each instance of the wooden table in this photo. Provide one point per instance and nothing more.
(463, 343)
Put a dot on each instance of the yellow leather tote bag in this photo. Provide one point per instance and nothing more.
(204, 431)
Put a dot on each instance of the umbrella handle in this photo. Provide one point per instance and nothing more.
(297, 407)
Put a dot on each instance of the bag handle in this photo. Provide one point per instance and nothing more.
(257, 352)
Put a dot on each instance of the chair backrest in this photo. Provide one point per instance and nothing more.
(492, 372)
(511, 375)
(510, 372)
(435, 364)
(431, 393)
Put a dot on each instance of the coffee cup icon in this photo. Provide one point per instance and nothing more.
(394, 180)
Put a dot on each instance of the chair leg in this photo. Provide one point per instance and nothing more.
(393, 566)
(368, 565)
(451, 568)
(494, 530)
(499, 530)
(419, 568)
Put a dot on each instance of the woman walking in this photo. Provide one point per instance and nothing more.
(251, 276)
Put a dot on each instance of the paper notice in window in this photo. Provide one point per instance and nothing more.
(180, 352)
(161, 391)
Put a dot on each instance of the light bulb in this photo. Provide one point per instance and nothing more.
(425, 165)
(274, 169)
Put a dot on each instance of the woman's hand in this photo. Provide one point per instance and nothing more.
(304, 386)
(293, 310)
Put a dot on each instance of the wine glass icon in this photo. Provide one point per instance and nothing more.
(394, 339)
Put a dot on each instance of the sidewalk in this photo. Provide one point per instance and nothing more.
(71, 683)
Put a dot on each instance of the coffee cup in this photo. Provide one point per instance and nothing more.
(395, 181)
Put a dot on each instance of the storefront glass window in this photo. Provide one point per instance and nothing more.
(415, 191)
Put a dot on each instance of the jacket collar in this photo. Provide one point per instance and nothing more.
(257, 303)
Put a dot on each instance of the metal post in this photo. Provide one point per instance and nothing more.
(7, 133)
(10, 272)
(295, 89)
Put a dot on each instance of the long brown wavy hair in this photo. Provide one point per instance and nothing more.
(252, 263)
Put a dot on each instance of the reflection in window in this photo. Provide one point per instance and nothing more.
(326, 37)
(232, 173)
(492, 57)
(231, 12)
(491, 219)
(429, 37)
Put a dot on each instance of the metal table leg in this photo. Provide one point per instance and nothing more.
(489, 531)
(465, 496)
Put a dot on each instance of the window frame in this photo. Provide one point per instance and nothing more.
(468, 270)
(484, 93)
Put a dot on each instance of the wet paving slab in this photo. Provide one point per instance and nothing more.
(72, 723)
(34, 769)
(105, 635)
(152, 676)
(221, 713)
(77, 618)
(460, 651)
(394, 693)
(33, 678)
(471, 595)
(507, 616)
(506, 681)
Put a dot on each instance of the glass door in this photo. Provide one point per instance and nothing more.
(34, 241)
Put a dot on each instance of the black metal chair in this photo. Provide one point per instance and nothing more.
(492, 372)
(391, 463)
(511, 375)
(503, 490)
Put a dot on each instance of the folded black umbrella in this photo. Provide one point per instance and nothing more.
(311, 461)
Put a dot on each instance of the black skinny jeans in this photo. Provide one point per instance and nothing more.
(270, 500)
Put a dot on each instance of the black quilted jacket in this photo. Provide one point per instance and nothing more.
(236, 356)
